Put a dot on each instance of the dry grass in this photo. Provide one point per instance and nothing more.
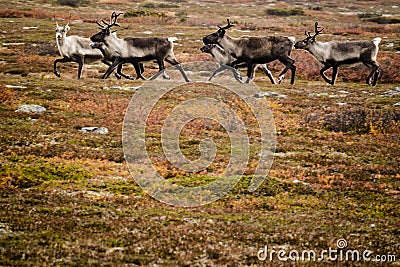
(67, 198)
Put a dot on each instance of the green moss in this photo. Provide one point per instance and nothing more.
(21, 174)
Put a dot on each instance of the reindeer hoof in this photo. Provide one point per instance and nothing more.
(57, 74)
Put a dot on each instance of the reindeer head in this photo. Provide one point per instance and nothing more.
(105, 28)
(207, 48)
(61, 31)
(97, 45)
(304, 44)
(216, 37)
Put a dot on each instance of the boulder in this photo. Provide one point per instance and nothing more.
(31, 109)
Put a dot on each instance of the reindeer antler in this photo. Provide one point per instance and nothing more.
(227, 26)
(316, 29)
(113, 21)
(114, 16)
(102, 27)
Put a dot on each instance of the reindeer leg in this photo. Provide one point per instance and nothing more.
(160, 71)
(267, 72)
(374, 73)
(220, 69)
(234, 71)
(116, 62)
(162, 67)
(334, 74)
(376, 76)
(141, 67)
(234, 65)
(236, 74)
(250, 72)
(80, 66)
(289, 65)
(64, 59)
(138, 69)
(177, 64)
(117, 75)
(322, 72)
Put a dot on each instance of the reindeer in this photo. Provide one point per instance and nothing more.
(225, 59)
(255, 50)
(109, 59)
(77, 49)
(136, 50)
(74, 49)
(334, 54)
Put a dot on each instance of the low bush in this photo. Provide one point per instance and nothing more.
(361, 121)
(13, 13)
(378, 18)
(158, 5)
(384, 20)
(72, 3)
(285, 12)
(143, 13)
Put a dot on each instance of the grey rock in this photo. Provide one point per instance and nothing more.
(98, 130)
(31, 109)
(395, 91)
(15, 86)
(269, 94)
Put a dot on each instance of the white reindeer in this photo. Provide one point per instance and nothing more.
(334, 54)
(74, 49)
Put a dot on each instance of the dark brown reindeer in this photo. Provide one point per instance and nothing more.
(224, 60)
(334, 54)
(255, 50)
(109, 59)
(135, 50)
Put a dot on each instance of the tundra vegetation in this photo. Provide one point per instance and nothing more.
(67, 198)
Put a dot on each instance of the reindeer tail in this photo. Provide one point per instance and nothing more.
(377, 41)
(172, 39)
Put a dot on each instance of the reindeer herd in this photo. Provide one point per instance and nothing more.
(231, 53)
